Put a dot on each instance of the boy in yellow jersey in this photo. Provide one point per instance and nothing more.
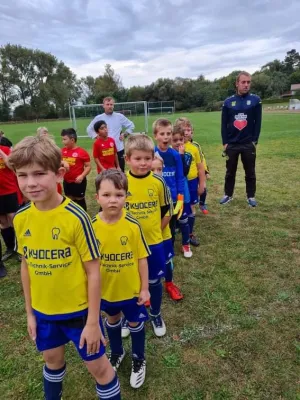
(196, 179)
(60, 270)
(189, 131)
(148, 201)
(124, 271)
(172, 289)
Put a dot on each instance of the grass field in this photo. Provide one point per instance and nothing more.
(236, 334)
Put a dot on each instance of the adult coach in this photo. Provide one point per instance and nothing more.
(116, 122)
(241, 123)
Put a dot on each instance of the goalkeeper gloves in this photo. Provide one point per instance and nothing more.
(179, 206)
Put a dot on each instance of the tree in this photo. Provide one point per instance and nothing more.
(291, 61)
(295, 77)
(107, 84)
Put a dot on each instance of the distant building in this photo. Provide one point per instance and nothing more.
(295, 87)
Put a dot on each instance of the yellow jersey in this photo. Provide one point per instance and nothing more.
(122, 245)
(145, 197)
(202, 156)
(55, 244)
(193, 172)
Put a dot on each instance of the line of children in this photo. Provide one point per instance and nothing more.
(79, 164)
(60, 270)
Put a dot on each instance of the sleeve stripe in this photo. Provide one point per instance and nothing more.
(24, 208)
(134, 221)
(87, 227)
(166, 197)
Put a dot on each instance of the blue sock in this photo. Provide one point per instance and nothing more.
(155, 289)
(138, 340)
(191, 223)
(203, 197)
(115, 337)
(169, 271)
(185, 230)
(53, 379)
(110, 391)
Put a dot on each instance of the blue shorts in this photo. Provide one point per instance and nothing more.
(156, 261)
(52, 334)
(193, 189)
(132, 312)
(169, 250)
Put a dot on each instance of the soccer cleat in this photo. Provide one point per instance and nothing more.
(226, 199)
(194, 241)
(147, 303)
(3, 271)
(252, 202)
(116, 359)
(158, 325)
(125, 331)
(173, 291)
(203, 209)
(186, 250)
(9, 253)
(138, 373)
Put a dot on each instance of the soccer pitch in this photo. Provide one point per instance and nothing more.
(235, 335)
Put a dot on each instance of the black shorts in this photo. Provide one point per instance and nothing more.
(9, 204)
(75, 189)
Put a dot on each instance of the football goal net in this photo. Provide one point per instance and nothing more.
(294, 104)
(82, 115)
(161, 107)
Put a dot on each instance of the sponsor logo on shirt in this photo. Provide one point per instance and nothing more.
(44, 254)
(233, 103)
(150, 192)
(248, 102)
(141, 206)
(75, 154)
(111, 144)
(27, 233)
(168, 173)
(117, 256)
(240, 121)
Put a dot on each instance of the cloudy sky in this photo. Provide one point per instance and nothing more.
(148, 39)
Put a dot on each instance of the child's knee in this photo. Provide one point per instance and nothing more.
(113, 319)
(133, 324)
(101, 369)
(54, 358)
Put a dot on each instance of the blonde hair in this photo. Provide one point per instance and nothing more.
(109, 98)
(183, 122)
(161, 123)
(40, 150)
(42, 130)
(240, 74)
(140, 142)
(158, 157)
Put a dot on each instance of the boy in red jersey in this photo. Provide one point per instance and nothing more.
(79, 167)
(9, 204)
(104, 149)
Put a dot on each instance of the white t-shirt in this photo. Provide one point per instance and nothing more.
(115, 123)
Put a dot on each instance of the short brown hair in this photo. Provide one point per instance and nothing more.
(139, 142)
(178, 130)
(240, 74)
(108, 98)
(183, 122)
(40, 150)
(118, 179)
(160, 123)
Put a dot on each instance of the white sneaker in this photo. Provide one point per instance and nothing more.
(116, 359)
(138, 373)
(186, 249)
(158, 325)
(125, 331)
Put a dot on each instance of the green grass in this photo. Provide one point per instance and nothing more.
(236, 333)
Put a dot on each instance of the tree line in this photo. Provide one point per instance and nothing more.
(35, 84)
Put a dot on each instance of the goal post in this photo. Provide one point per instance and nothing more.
(161, 110)
(161, 107)
(82, 114)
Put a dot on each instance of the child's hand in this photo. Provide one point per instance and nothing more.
(79, 179)
(181, 149)
(92, 336)
(31, 326)
(143, 297)
(207, 176)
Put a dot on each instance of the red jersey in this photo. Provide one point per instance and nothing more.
(8, 179)
(76, 158)
(105, 151)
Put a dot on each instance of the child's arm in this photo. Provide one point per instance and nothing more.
(117, 165)
(86, 170)
(91, 333)
(98, 163)
(165, 221)
(202, 178)
(31, 321)
(143, 271)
